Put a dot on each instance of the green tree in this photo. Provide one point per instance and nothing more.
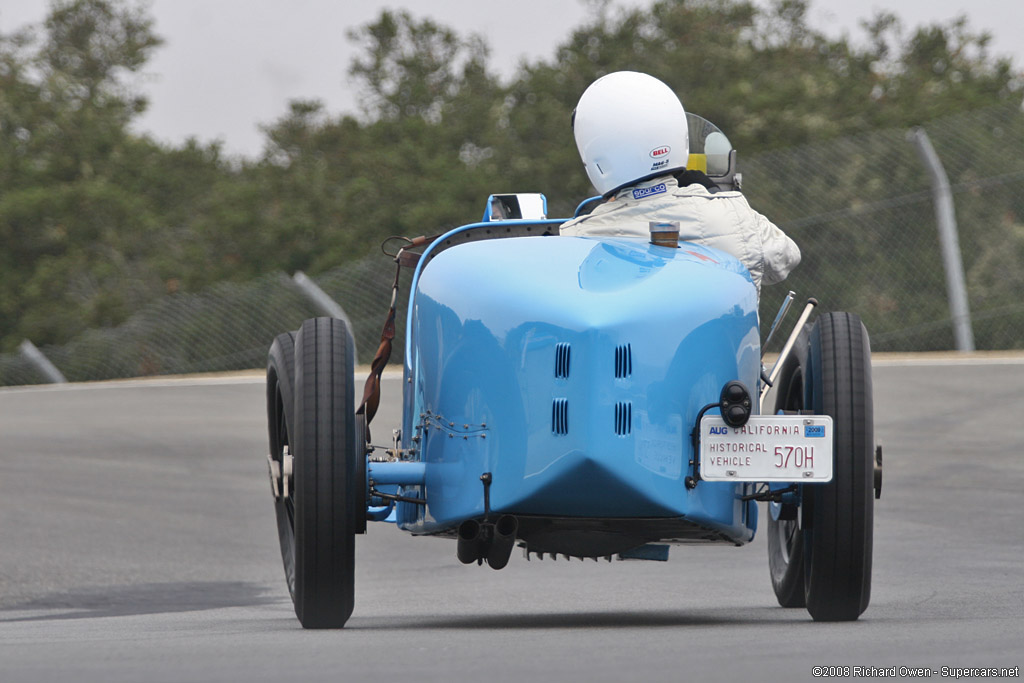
(762, 74)
(90, 49)
(412, 68)
(416, 163)
(96, 221)
(75, 241)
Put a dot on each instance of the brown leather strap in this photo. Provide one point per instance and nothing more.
(371, 390)
(408, 259)
(423, 239)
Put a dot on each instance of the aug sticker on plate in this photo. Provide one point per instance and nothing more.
(795, 448)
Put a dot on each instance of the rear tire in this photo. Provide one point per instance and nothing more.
(839, 516)
(785, 538)
(327, 491)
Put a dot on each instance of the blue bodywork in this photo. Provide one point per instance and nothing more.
(573, 369)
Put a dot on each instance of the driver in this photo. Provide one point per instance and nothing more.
(632, 135)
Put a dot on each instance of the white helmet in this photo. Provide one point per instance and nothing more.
(629, 126)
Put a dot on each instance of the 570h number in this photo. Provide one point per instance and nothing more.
(800, 457)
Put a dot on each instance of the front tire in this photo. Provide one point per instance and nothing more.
(839, 516)
(327, 491)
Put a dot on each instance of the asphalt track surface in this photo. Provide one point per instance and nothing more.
(138, 543)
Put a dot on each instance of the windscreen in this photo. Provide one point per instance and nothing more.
(709, 147)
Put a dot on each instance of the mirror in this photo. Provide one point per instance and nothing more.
(528, 206)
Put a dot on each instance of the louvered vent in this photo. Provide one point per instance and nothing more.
(560, 416)
(623, 418)
(623, 361)
(562, 352)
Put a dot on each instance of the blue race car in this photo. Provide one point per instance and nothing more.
(584, 397)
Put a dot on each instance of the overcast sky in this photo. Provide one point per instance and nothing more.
(229, 65)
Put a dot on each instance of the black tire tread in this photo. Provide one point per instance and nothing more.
(838, 578)
(324, 524)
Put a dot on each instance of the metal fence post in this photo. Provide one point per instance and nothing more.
(942, 196)
(325, 302)
(42, 363)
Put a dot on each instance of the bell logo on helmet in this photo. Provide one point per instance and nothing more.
(659, 152)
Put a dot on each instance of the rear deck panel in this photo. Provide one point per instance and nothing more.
(573, 369)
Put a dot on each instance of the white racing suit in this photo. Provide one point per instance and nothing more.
(722, 220)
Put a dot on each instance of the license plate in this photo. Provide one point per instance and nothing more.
(795, 448)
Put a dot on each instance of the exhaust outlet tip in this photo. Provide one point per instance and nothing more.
(507, 525)
(504, 540)
(470, 542)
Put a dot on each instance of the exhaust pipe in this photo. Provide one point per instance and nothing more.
(479, 541)
(471, 544)
(503, 541)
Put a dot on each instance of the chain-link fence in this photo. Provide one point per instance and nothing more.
(860, 208)
(228, 327)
